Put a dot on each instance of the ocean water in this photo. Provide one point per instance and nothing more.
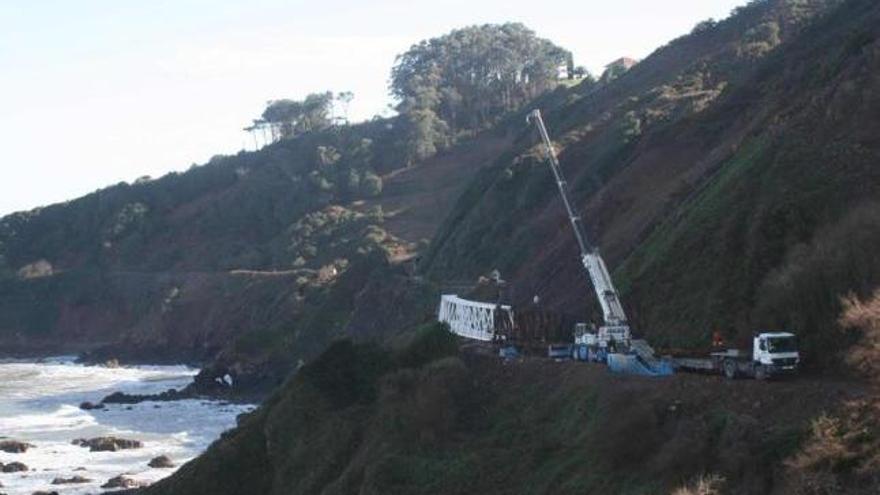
(39, 404)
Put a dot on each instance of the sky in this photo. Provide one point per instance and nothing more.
(95, 92)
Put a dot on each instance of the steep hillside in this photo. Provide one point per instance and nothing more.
(254, 262)
(426, 419)
(731, 180)
(716, 175)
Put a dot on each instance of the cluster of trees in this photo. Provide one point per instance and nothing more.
(5, 271)
(465, 80)
(284, 119)
(346, 170)
(333, 233)
(445, 87)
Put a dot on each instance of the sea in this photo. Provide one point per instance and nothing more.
(39, 404)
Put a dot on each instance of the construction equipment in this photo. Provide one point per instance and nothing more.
(614, 335)
(773, 353)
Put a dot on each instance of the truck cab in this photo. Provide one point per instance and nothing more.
(775, 353)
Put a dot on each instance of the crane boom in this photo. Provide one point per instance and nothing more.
(615, 319)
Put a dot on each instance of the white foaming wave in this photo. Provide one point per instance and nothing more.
(39, 405)
(30, 380)
(65, 418)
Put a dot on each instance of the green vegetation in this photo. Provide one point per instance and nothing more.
(423, 418)
(468, 79)
(269, 254)
(725, 180)
(730, 178)
(770, 241)
(286, 118)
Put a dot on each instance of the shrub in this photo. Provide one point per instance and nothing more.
(804, 294)
(704, 485)
(346, 373)
(432, 341)
(865, 317)
(371, 184)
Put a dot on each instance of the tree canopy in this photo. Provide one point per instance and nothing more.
(287, 118)
(467, 79)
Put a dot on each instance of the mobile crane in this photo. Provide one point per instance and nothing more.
(614, 334)
(772, 353)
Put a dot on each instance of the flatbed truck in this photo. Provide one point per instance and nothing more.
(772, 354)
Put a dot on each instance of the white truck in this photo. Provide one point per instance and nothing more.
(772, 354)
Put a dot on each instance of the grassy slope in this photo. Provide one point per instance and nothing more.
(767, 179)
(704, 171)
(222, 262)
(430, 420)
(807, 176)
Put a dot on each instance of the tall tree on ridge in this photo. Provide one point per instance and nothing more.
(467, 79)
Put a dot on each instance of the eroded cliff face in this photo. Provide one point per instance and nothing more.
(712, 175)
(228, 269)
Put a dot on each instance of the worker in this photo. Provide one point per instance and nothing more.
(717, 339)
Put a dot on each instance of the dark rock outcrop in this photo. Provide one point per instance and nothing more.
(88, 406)
(107, 444)
(168, 395)
(14, 446)
(70, 481)
(13, 467)
(163, 461)
(123, 481)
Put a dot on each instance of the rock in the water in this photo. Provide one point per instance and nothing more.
(14, 446)
(107, 444)
(88, 406)
(169, 395)
(13, 467)
(163, 461)
(123, 481)
(44, 493)
(71, 480)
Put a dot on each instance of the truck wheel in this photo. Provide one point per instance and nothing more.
(729, 369)
(760, 372)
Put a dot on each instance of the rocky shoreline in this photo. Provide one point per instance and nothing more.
(213, 381)
(59, 458)
(97, 444)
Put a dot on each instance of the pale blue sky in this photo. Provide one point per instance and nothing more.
(94, 92)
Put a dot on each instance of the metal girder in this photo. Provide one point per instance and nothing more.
(471, 319)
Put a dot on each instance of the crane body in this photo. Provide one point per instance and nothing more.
(615, 330)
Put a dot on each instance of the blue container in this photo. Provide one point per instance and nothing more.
(508, 352)
(559, 351)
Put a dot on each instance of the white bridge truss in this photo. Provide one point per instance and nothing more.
(471, 319)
